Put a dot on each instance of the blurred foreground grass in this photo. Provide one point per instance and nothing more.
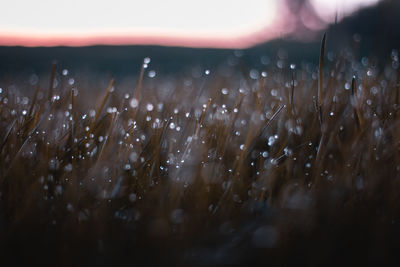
(280, 166)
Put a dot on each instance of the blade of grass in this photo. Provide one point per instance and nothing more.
(292, 94)
(52, 78)
(354, 102)
(138, 91)
(398, 88)
(100, 108)
(33, 100)
(28, 137)
(7, 135)
(319, 104)
(321, 78)
(72, 122)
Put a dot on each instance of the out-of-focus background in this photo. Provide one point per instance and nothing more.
(114, 37)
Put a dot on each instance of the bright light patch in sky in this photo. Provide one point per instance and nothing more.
(177, 17)
(200, 23)
(327, 9)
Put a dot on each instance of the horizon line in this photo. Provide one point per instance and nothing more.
(123, 40)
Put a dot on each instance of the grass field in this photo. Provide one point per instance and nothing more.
(286, 165)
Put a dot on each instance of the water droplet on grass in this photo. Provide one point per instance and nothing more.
(149, 107)
(68, 167)
(54, 164)
(133, 157)
(254, 74)
(271, 140)
(70, 208)
(152, 74)
(132, 197)
(146, 60)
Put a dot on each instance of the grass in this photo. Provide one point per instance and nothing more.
(210, 169)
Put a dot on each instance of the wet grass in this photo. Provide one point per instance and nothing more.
(283, 165)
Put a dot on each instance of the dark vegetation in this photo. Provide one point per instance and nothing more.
(285, 165)
(249, 162)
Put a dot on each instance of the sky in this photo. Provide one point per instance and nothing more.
(206, 23)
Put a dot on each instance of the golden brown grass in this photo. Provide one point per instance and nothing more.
(209, 171)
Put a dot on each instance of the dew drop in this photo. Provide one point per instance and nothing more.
(271, 140)
(68, 167)
(224, 91)
(54, 164)
(146, 60)
(254, 74)
(132, 197)
(149, 107)
(133, 157)
(70, 208)
(134, 103)
(288, 152)
(152, 74)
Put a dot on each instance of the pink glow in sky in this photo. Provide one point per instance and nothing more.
(206, 23)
